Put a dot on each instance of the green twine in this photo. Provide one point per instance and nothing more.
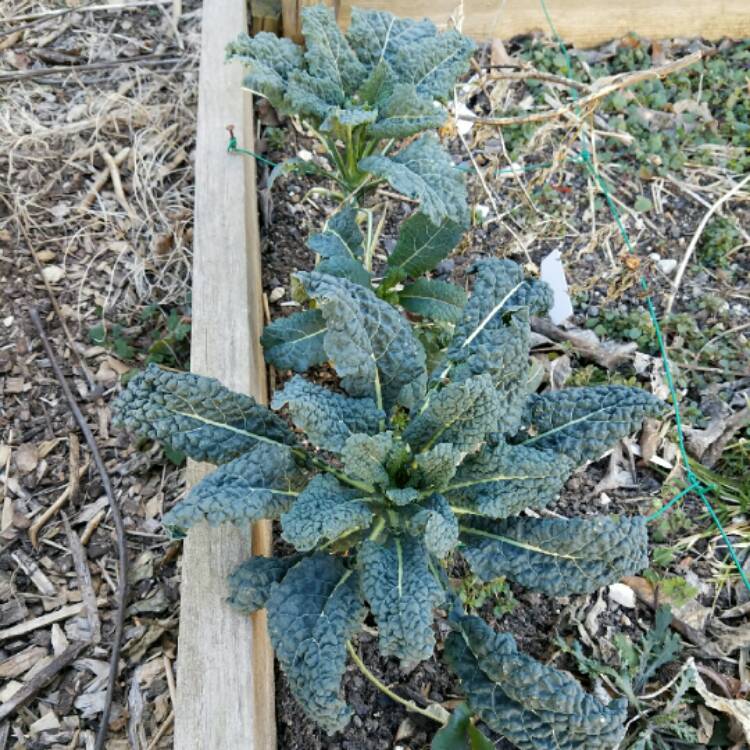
(233, 148)
(695, 484)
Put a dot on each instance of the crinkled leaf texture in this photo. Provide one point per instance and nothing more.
(250, 583)
(535, 706)
(327, 52)
(312, 612)
(270, 60)
(436, 467)
(296, 341)
(327, 418)
(493, 335)
(368, 341)
(365, 457)
(324, 510)
(460, 414)
(346, 268)
(402, 593)
(437, 525)
(259, 484)
(404, 112)
(402, 496)
(499, 287)
(557, 556)
(582, 423)
(339, 121)
(197, 415)
(380, 80)
(425, 172)
(500, 481)
(414, 50)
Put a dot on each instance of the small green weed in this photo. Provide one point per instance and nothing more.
(720, 239)
(674, 588)
(475, 594)
(161, 338)
(662, 721)
(276, 138)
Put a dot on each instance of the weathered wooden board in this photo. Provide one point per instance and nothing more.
(225, 695)
(581, 22)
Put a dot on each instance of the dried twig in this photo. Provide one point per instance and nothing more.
(649, 595)
(694, 241)
(85, 585)
(599, 89)
(103, 65)
(608, 357)
(102, 177)
(538, 75)
(48, 15)
(114, 174)
(75, 473)
(40, 622)
(122, 589)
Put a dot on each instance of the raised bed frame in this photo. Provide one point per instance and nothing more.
(225, 694)
(225, 680)
(582, 22)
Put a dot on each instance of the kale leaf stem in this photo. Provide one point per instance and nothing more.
(408, 704)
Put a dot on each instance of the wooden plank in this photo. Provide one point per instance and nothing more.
(584, 23)
(290, 12)
(225, 694)
(266, 16)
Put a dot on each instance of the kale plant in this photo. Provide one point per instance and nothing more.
(296, 342)
(360, 93)
(382, 479)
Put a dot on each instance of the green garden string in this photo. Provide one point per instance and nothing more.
(694, 483)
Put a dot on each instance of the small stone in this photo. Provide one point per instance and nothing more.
(45, 256)
(621, 594)
(53, 274)
(276, 294)
(667, 265)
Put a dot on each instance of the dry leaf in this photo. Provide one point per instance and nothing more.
(738, 710)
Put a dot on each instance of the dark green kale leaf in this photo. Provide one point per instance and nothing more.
(197, 415)
(251, 582)
(324, 510)
(296, 341)
(500, 481)
(535, 706)
(582, 423)
(368, 341)
(557, 556)
(312, 612)
(402, 592)
(424, 171)
(259, 484)
(327, 418)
